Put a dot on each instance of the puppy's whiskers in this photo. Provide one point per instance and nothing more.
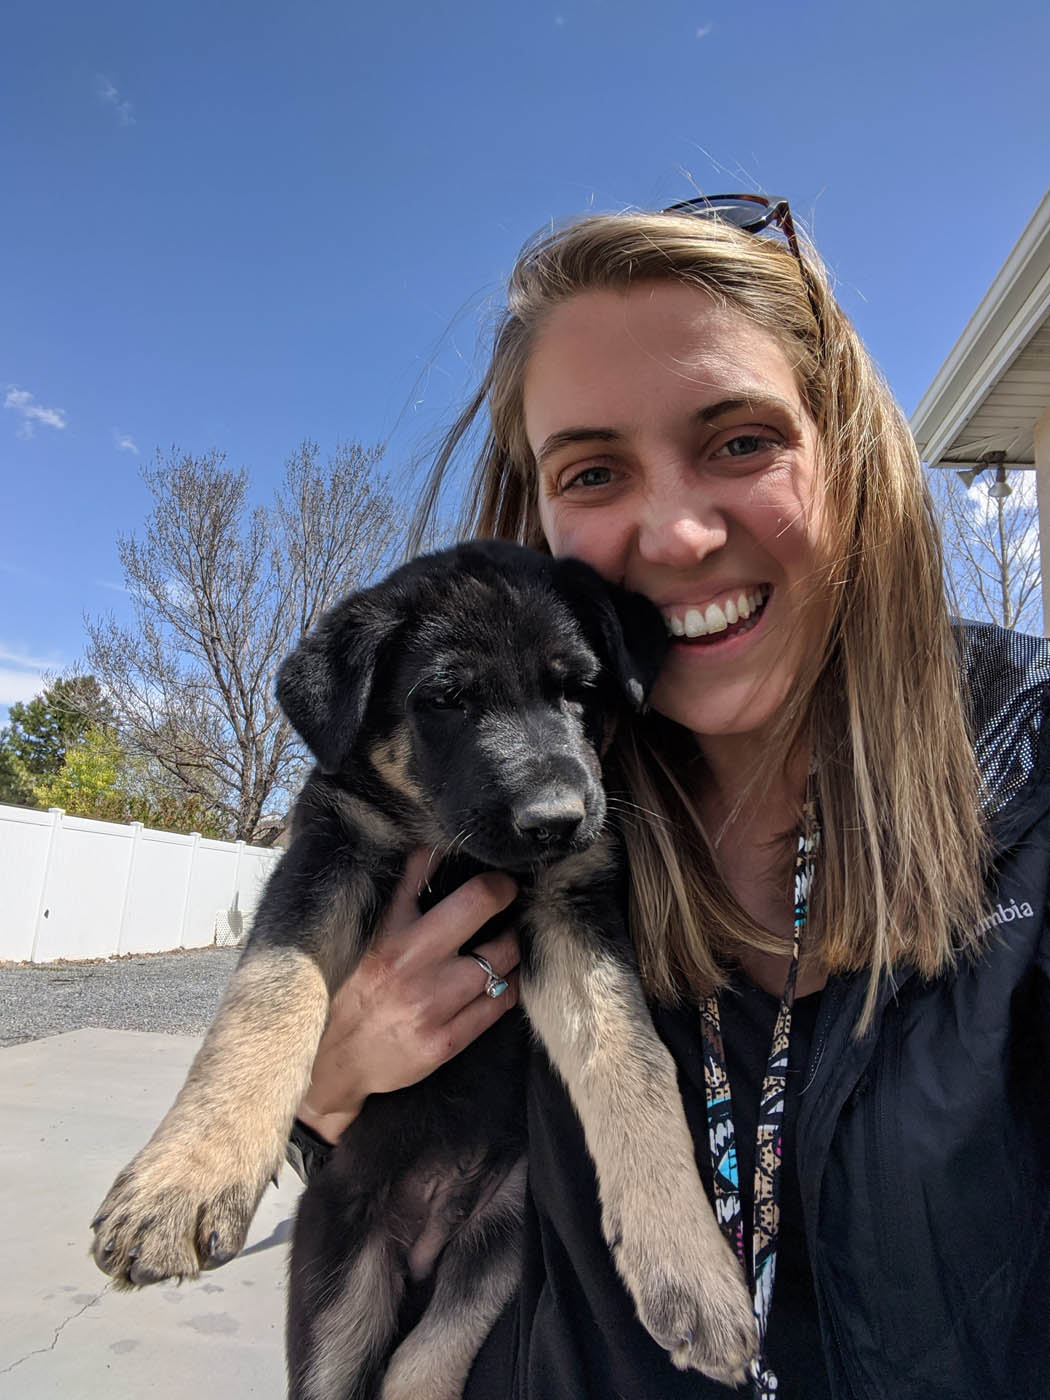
(461, 840)
(624, 807)
(433, 860)
(622, 819)
(455, 844)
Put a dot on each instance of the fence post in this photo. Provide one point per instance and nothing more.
(136, 837)
(195, 838)
(233, 904)
(56, 814)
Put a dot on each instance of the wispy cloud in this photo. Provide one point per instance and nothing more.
(125, 443)
(22, 402)
(21, 658)
(109, 94)
(704, 31)
(16, 687)
(22, 675)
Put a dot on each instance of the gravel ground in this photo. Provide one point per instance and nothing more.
(176, 993)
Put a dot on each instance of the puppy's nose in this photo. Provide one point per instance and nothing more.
(551, 816)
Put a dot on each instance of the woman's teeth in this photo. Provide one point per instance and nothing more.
(716, 617)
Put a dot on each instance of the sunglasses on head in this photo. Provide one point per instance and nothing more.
(750, 212)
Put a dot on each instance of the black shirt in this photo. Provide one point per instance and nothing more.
(572, 1331)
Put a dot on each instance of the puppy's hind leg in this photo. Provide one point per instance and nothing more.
(353, 1332)
(479, 1270)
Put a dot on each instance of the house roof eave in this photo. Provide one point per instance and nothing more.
(1008, 315)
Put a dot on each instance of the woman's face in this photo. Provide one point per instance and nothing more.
(675, 455)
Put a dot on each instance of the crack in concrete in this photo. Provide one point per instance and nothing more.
(39, 1351)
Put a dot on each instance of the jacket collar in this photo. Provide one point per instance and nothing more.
(1006, 680)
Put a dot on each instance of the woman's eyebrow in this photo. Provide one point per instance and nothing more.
(761, 401)
(567, 437)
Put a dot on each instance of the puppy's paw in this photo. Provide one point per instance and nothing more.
(170, 1218)
(691, 1297)
(704, 1326)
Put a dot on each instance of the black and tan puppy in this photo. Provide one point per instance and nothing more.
(462, 704)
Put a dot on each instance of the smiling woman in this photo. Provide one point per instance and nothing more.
(812, 846)
(741, 436)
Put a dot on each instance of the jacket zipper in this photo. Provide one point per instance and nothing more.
(827, 1010)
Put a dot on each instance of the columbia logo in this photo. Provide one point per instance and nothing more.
(1005, 914)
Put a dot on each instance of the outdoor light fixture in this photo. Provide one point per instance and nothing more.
(1000, 487)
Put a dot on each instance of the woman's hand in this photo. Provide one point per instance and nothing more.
(412, 1002)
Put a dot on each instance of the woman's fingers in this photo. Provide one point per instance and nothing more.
(422, 950)
(462, 979)
(422, 938)
(470, 1021)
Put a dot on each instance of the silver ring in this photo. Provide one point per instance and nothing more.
(495, 985)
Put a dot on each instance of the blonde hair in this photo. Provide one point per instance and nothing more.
(878, 705)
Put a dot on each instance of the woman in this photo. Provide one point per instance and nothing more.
(677, 399)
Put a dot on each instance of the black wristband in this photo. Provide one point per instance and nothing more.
(307, 1152)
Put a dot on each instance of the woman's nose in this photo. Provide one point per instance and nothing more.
(680, 533)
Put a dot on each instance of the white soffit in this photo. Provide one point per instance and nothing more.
(995, 383)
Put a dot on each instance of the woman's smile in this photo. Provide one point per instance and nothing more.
(728, 615)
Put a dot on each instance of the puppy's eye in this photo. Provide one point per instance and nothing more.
(442, 700)
(578, 690)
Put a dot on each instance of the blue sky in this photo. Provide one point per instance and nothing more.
(235, 225)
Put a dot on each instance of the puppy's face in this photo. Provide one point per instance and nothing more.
(477, 685)
(492, 704)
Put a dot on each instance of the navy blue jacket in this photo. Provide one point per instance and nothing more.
(923, 1150)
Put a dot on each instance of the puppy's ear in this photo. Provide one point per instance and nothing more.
(325, 684)
(626, 630)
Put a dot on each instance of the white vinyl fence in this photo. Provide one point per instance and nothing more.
(75, 888)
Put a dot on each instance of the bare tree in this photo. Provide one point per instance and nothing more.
(991, 548)
(222, 591)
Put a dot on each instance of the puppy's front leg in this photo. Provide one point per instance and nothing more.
(587, 1005)
(186, 1201)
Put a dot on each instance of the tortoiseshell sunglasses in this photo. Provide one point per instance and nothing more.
(752, 213)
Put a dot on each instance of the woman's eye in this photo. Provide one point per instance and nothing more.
(745, 445)
(588, 476)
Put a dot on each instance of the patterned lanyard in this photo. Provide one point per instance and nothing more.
(766, 1212)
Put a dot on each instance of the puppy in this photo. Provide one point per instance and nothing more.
(463, 703)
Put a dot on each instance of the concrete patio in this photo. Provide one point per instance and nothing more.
(73, 1109)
